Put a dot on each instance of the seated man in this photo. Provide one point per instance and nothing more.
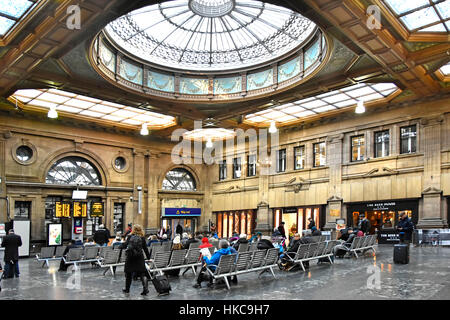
(242, 239)
(211, 263)
(293, 248)
(341, 249)
(315, 232)
(188, 242)
(62, 265)
(90, 243)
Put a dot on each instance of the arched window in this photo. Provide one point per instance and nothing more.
(73, 171)
(179, 179)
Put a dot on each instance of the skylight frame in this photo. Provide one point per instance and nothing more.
(32, 99)
(435, 6)
(378, 91)
(14, 20)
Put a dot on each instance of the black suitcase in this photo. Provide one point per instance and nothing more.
(161, 284)
(401, 253)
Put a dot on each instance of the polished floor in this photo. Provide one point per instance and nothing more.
(426, 277)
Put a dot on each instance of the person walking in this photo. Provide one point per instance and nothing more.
(179, 229)
(11, 243)
(281, 230)
(135, 262)
(365, 225)
(128, 231)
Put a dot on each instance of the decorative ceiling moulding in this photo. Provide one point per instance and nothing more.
(241, 82)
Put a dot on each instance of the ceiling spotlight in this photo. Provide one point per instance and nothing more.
(273, 127)
(209, 143)
(52, 113)
(360, 108)
(144, 130)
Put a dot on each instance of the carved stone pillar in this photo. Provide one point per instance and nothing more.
(264, 215)
(153, 212)
(334, 159)
(431, 215)
(139, 181)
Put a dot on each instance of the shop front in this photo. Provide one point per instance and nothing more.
(187, 218)
(383, 216)
(238, 221)
(296, 218)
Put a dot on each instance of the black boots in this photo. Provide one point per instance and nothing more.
(144, 285)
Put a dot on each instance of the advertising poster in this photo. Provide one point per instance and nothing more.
(54, 233)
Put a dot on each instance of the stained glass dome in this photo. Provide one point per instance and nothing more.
(210, 35)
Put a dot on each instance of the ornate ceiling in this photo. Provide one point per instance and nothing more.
(41, 52)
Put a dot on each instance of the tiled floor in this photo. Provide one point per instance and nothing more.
(426, 277)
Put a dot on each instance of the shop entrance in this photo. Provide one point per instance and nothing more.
(383, 216)
(296, 219)
(188, 225)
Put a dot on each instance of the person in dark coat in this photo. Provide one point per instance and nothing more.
(179, 229)
(11, 243)
(281, 229)
(128, 231)
(405, 227)
(135, 264)
(315, 232)
(311, 223)
(191, 239)
(242, 239)
(365, 225)
(101, 236)
(62, 265)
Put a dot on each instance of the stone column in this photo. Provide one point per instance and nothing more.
(139, 180)
(334, 158)
(153, 211)
(431, 215)
(3, 194)
(264, 217)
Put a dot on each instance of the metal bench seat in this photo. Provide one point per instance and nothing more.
(361, 244)
(46, 254)
(78, 256)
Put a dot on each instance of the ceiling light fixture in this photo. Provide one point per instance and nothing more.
(52, 114)
(209, 143)
(360, 107)
(144, 129)
(273, 127)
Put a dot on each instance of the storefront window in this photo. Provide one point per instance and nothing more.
(251, 165)
(382, 144)
(358, 148)
(408, 137)
(281, 160)
(319, 154)
(299, 157)
(119, 211)
(238, 222)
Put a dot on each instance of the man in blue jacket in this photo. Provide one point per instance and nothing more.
(405, 228)
(212, 262)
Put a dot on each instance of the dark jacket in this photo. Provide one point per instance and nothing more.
(316, 233)
(311, 224)
(365, 225)
(281, 229)
(179, 229)
(135, 264)
(11, 243)
(293, 247)
(188, 242)
(407, 228)
(70, 246)
(264, 244)
(238, 243)
(102, 236)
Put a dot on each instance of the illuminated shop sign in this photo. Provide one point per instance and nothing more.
(182, 212)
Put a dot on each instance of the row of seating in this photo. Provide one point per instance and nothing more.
(245, 262)
(312, 251)
(362, 244)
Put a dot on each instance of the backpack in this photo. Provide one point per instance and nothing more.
(134, 248)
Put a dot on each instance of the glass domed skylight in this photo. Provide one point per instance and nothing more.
(210, 35)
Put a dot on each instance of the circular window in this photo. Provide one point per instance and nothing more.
(24, 153)
(120, 163)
